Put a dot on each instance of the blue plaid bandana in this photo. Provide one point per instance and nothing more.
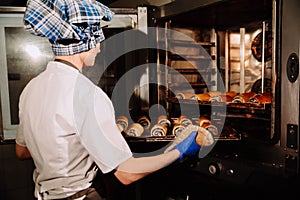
(72, 26)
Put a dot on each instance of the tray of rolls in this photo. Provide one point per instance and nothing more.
(249, 101)
(167, 129)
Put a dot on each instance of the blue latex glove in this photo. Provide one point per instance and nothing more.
(188, 147)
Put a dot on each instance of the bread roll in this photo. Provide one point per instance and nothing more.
(184, 95)
(204, 121)
(231, 93)
(184, 120)
(214, 93)
(144, 121)
(159, 130)
(212, 129)
(201, 97)
(135, 130)
(221, 98)
(216, 98)
(163, 119)
(122, 123)
(203, 138)
(226, 98)
(244, 97)
(259, 99)
(177, 128)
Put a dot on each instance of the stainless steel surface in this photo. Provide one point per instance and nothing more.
(263, 56)
(167, 7)
(273, 71)
(289, 91)
(227, 87)
(8, 9)
(242, 60)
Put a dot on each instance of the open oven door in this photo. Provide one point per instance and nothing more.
(290, 95)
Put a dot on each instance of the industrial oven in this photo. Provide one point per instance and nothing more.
(235, 64)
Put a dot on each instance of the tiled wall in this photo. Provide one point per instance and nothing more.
(15, 175)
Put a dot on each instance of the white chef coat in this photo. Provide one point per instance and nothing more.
(68, 125)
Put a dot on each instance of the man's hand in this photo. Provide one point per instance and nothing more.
(190, 140)
(22, 153)
(188, 147)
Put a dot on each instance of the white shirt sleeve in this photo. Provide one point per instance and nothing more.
(95, 120)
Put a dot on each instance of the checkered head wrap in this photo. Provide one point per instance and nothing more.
(72, 26)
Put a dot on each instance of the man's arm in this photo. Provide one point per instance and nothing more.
(22, 153)
(188, 144)
(134, 169)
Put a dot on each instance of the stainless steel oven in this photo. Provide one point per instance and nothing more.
(254, 50)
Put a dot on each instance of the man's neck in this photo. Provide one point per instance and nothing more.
(72, 60)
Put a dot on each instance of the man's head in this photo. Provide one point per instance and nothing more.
(71, 26)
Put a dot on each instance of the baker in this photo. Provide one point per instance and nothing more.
(67, 123)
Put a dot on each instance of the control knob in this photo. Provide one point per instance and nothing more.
(215, 168)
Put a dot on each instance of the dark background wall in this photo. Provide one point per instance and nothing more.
(18, 3)
(15, 176)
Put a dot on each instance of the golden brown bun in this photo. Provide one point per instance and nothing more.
(201, 97)
(214, 93)
(204, 137)
(144, 121)
(231, 93)
(264, 98)
(159, 130)
(184, 120)
(244, 97)
(204, 121)
(135, 130)
(184, 95)
(177, 128)
(221, 98)
(122, 123)
(226, 98)
(163, 119)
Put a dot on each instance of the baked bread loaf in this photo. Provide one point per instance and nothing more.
(244, 97)
(144, 121)
(184, 120)
(122, 123)
(204, 121)
(214, 93)
(201, 97)
(184, 95)
(203, 138)
(264, 98)
(163, 119)
(159, 130)
(135, 130)
(231, 93)
(177, 129)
